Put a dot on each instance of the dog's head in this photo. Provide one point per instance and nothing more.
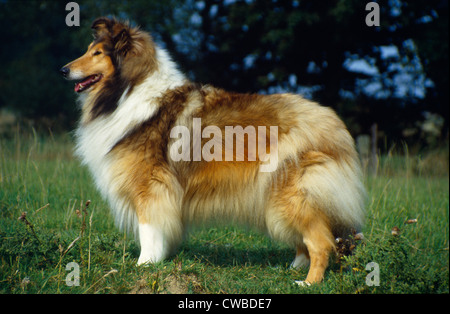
(118, 50)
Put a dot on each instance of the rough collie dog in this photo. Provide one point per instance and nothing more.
(160, 150)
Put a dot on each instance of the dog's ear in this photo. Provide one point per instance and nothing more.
(101, 26)
(122, 41)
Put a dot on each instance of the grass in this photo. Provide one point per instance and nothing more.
(40, 177)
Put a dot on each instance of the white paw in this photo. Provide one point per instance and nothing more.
(144, 261)
(302, 283)
(153, 245)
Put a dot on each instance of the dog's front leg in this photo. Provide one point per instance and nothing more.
(161, 227)
(154, 244)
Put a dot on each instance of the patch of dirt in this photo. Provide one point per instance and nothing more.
(172, 284)
(179, 284)
(142, 287)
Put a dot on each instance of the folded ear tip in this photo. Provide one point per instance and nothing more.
(98, 21)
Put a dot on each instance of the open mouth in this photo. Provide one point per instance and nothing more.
(87, 82)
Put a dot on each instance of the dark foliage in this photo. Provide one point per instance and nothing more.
(250, 46)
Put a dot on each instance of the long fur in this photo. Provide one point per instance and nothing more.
(315, 193)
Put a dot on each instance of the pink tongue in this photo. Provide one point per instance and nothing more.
(77, 87)
(84, 83)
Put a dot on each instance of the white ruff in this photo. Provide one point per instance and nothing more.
(96, 138)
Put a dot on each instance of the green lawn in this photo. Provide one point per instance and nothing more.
(39, 176)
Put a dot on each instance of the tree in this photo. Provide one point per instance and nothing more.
(304, 46)
(301, 46)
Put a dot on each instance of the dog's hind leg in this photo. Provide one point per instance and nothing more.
(295, 218)
(318, 238)
(320, 251)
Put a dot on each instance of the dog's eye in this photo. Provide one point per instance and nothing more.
(97, 53)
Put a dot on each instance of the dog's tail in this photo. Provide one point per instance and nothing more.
(334, 185)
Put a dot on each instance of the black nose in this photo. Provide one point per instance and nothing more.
(64, 71)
